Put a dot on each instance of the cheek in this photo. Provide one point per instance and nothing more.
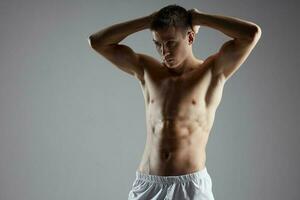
(180, 53)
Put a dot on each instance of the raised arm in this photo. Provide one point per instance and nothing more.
(234, 52)
(106, 43)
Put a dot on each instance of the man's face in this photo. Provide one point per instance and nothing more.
(171, 45)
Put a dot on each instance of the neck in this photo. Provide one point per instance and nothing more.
(188, 63)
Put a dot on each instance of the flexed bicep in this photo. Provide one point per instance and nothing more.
(232, 55)
(123, 57)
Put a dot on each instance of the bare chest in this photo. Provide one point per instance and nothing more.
(186, 96)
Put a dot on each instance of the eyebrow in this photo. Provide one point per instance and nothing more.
(167, 40)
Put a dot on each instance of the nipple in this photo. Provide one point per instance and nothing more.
(167, 155)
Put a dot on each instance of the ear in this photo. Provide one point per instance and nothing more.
(191, 37)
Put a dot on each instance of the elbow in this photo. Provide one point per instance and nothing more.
(91, 41)
(255, 33)
(258, 33)
(94, 42)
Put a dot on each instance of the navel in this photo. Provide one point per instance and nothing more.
(193, 101)
(166, 155)
(153, 129)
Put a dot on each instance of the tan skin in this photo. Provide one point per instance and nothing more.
(178, 118)
(181, 96)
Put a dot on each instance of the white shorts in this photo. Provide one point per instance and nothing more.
(194, 186)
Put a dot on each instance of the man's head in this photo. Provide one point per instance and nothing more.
(173, 34)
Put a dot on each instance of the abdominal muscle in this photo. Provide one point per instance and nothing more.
(174, 147)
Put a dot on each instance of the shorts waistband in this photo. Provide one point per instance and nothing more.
(171, 179)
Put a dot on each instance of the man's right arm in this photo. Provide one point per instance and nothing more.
(106, 43)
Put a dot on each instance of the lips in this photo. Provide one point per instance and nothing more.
(168, 59)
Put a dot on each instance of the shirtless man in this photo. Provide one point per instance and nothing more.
(181, 94)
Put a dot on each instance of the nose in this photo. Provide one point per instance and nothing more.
(165, 51)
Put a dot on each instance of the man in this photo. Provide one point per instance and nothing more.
(181, 94)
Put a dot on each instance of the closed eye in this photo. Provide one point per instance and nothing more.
(168, 43)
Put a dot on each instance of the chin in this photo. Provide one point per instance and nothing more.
(172, 64)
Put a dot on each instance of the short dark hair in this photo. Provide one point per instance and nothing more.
(171, 15)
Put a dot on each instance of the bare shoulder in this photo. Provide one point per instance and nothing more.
(149, 63)
(206, 65)
(206, 71)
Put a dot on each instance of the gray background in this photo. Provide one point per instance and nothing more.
(72, 125)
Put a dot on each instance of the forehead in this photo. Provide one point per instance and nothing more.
(166, 34)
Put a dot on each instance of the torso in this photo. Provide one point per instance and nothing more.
(180, 111)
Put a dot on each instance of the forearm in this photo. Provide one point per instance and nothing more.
(117, 32)
(233, 27)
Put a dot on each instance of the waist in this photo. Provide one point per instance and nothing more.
(173, 164)
(178, 177)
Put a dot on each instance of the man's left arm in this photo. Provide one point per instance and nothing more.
(234, 52)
